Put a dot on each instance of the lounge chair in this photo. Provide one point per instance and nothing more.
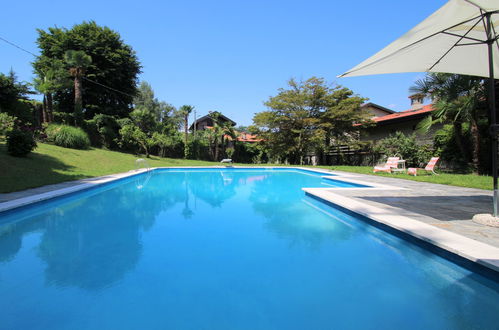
(226, 160)
(391, 163)
(430, 167)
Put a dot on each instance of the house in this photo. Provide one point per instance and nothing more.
(206, 122)
(376, 110)
(246, 137)
(403, 121)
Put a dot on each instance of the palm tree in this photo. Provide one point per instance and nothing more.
(78, 62)
(185, 111)
(458, 99)
(50, 80)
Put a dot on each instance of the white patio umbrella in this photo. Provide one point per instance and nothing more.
(461, 37)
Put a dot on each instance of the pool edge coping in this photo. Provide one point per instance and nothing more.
(470, 249)
(475, 251)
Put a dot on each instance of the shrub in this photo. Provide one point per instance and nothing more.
(67, 136)
(7, 123)
(20, 142)
(406, 147)
(445, 143)
(103, 130)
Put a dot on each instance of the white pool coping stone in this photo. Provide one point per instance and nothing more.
(475, 251)
(478, 252)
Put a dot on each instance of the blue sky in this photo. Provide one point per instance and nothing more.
(231, 56)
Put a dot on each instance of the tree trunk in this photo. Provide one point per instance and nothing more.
(78, 101)
(458, 138)
(186, 123)
(44, 109)
(216, 150)
(50, 108)
(475, 137)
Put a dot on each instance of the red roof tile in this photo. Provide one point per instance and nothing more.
(406, 113)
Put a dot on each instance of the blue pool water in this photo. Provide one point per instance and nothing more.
(223, 249)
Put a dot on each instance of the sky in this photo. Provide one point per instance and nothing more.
(231, 56)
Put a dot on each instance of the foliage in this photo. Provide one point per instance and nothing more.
(161, 111)
(185, 111)
(13, 98)
(198, 146)
(133, 137)
(168, 145)
(229, 152)
(459, 100)
(67, 136)
(52, 76)
(218, 136)
(405, 147)
(103, 130)
(20, 142)
(249, 153)
(445, 146)
(7, 123)
(114, 64)
(77, 62)
(309, 116)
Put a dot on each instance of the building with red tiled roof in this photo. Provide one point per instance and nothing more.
(246, 137)
(403, 121)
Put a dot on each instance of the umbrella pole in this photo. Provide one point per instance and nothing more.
(492, 105)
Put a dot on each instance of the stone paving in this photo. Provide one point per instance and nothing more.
(443, 206)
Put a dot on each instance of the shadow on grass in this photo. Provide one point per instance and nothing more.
(35, 170)
(444, 208)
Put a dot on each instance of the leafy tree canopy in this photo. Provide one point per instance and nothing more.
(113, 63)
(307, 116)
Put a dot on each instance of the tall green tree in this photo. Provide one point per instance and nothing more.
(306, 117)
(114, 64)
(150, 114)
(14, 97)
(77, 62)
(185, 111)
(54, 77)
(461, 101)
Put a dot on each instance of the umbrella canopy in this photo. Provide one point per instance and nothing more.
(461, 37)
(453, 40)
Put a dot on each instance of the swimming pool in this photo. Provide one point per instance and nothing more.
(223, 249)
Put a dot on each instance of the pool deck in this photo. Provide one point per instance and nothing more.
(436, 213)
(447, 207)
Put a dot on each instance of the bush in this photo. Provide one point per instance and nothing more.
(445, 143)
(405, 147)
(103, 130)
(67, 136)
(7, 123)
(20, 142)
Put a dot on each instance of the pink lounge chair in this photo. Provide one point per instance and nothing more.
(429, 168)
(392, 162)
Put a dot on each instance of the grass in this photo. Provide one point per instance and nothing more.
(460, 180)
(50, 164)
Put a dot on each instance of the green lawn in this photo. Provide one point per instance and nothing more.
(50, 164)
(461, 180)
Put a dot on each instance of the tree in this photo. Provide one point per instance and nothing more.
(114, 64)
(458, 100)
(307, 116)
(53, 78)
(77, 61)
(150, 114)
(14, 97)
(132, 134)
(185, 111)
